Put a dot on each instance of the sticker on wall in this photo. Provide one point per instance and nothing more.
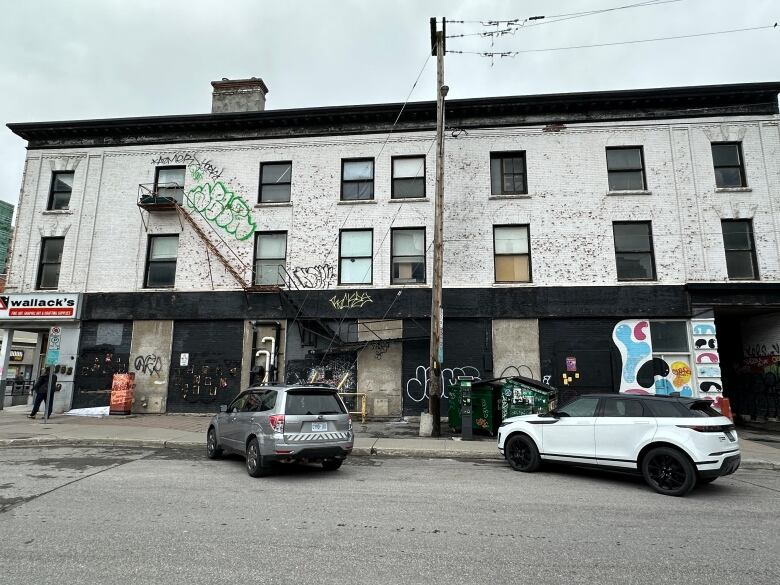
(682, 373)
(703, 327)
(571, 364)
(708, 370)
(184, 359)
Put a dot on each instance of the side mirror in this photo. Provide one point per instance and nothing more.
(223, 407)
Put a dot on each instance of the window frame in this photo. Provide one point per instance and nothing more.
(651, 251)
(642, 168)
(149, 259)
(423, 178)
(527, 227)
(262, 184)
(53, 191)
(157, 181)
(424, 255)
(42, 263)
(371, 257)
(255, 258)
(345, 161)
(741, 166)
(752, 240)
(500, 156)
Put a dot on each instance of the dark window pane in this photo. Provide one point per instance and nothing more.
(728, 177)
(277, 173)
(50, 276)
(618, 407)
(669, 336)
(736, 235)
(495, 176)
(358, 190)
(52, 250)
(275, 193)
(63, 182)
(314, 403)
(161, 274)
(507, 174)
(741, 265)
(632, 237)
(408, 269)
(581, 407)
(408, 188)
(626, 181)
(60, 200)
(634, 266)
(724, 155)
(620, 159)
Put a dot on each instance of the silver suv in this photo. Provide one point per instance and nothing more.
(270, 424)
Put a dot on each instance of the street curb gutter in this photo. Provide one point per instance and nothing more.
(357, 452)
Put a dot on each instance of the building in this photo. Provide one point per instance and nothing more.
(623, 240)
(6, 233)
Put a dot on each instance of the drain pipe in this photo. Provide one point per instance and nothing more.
(267, 355)
(275, 344)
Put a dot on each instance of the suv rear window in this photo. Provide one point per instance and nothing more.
(313, 402)
(674, 409)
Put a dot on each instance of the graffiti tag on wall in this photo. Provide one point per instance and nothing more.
(350, 300)
(221, 206)
(151, 364)
(417, 387)
(197, 167)
(320, 276)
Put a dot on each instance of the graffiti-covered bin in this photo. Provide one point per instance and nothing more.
(485, 398)
(521, 396)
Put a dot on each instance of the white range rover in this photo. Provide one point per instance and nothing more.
(673, 442)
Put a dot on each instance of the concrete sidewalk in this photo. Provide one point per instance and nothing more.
(396, 438)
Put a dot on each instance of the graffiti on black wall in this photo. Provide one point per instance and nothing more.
(353, 300)
(417, 387)
(320, 276)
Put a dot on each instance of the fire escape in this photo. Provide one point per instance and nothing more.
(170, 197)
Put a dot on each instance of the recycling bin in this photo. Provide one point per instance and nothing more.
(521, 396)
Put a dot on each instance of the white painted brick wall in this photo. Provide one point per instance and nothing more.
(568, 208)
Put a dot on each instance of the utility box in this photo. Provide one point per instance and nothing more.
(485, 408)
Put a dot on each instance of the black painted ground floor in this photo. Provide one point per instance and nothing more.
(194, 351)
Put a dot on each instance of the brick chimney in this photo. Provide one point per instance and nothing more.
(238, 95)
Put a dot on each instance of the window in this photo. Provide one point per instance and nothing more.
(580, 407)
(740, 249)
(61, 188)
(356, 251)
(512, 259)
(625, 169)
(669, 409)
(161, 261)
(313, 403)
(259, 401)
(238, 403)
(408, 177)
(620, 407)
(634, 250)
(669, 336)
(270, 254)
(408, 261)
(51, 259)
(357, 179)
(729, 164)
(169, 184)
(507, 173)
(275, 181)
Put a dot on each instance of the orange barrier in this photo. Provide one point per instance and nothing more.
(122, 386)
(725, 408)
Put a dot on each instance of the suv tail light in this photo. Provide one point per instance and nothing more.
(708, 428)
(277, 422)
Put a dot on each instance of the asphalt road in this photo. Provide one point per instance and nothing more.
(133, 516)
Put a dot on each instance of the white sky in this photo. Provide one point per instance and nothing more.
(78, 59)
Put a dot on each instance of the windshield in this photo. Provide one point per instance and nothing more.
(313, 403)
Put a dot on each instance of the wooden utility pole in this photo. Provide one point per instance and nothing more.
(437, 342)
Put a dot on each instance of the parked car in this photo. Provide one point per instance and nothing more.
(673, 442)
(283, 424)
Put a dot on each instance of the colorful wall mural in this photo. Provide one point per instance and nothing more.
(645, 371)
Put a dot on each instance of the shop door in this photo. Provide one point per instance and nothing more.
(104, 350)
(205, 365)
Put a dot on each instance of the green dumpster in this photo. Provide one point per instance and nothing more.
(520, 396)
(485, 401)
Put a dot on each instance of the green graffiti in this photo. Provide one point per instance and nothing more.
(196, 173)
(221, 206)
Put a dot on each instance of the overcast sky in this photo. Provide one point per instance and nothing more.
(77, 59)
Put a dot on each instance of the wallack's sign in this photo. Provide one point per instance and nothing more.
(40, 306)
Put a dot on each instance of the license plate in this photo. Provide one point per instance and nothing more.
(319, 427)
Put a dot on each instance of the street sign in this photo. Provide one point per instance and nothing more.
(53, 350)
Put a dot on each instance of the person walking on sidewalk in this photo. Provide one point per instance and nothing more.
(41, 389)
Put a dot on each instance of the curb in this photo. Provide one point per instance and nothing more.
(357, 452)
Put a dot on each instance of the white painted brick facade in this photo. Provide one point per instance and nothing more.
(567, 207)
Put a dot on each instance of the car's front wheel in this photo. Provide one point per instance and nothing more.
(213, 450)
(668, 471)
(522, 454)
(332, 464)
(254, 460)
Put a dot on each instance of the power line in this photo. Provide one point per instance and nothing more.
(705, 34)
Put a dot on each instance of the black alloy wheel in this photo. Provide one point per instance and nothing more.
(254, 460)
(212, 450)
(522, 454)
(668, 472)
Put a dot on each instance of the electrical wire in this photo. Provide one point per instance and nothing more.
(515, 53)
